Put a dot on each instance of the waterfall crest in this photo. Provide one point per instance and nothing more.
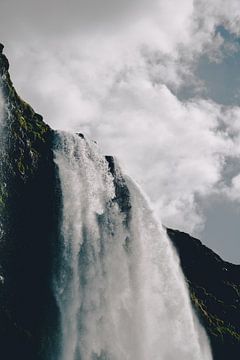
(119, 286)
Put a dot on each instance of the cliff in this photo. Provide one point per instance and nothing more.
(27, 214)
(29, 202)
(214, 286)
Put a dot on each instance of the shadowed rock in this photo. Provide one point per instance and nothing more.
(214, 286)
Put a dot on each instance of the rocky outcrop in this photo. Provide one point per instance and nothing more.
(122, 195)
(27, 213)
(214, 286)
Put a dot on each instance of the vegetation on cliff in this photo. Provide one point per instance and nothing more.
(27, 186)
(214, 287)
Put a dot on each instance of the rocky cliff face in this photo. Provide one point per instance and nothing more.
(29, 224)
(27, 219)
(215, 293)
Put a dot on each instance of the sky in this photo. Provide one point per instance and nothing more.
(156, 83)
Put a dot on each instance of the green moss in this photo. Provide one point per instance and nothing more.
(28, 135)
(214, 325)
(22, 122)
(21, 167)
(224, 330)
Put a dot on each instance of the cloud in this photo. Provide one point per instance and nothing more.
(174, 149)
(233, 192)
(111, 69)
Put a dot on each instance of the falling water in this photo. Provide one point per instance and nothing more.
(3, 182)
(119, 286)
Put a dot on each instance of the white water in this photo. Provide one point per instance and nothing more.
(119, 288)
(2, 155)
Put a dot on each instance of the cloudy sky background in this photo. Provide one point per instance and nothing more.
(156, 83)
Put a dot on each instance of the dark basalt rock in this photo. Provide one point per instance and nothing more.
(80, 135)
(4, 64)
(27, 213)
(214, 286)
(122, 194)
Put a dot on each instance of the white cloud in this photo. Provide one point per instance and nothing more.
(174, 149)
(233, 192)
(116, 85)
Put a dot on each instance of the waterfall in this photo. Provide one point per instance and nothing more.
(3, 182)
(119, 286)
